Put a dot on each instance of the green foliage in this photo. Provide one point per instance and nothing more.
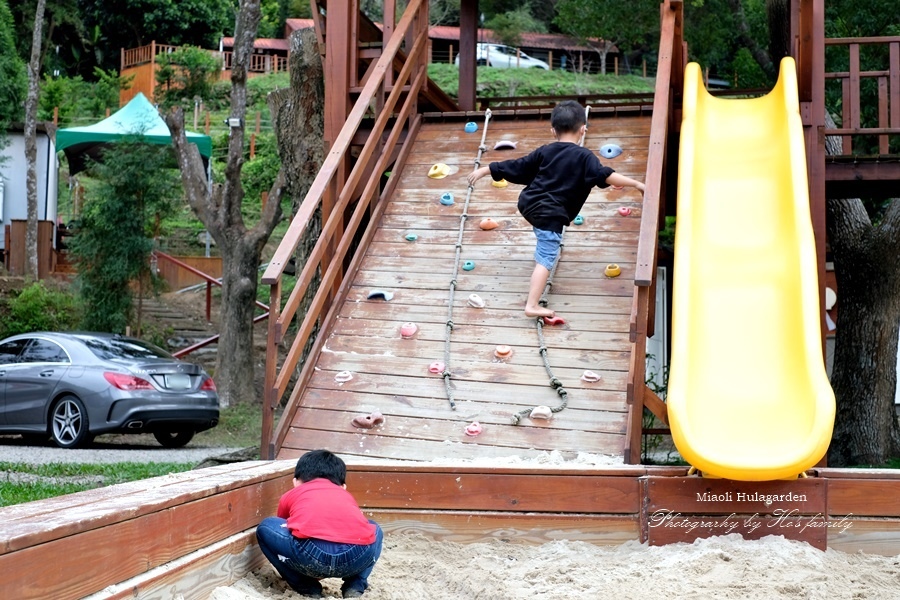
(13, 79)
(747, 72)
(538, 82)
(63, 478)
(37, 308)
(130, 23)
(188, 73)
(136, 188)
(626, 24)
(508, 27)
(258, 175)
(76, 98)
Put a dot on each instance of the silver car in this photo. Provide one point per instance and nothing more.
(74, 386)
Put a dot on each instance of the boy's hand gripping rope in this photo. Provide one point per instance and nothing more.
(555, 383)
(462, 223)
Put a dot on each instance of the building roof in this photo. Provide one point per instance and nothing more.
(544, 41)
(261, 44)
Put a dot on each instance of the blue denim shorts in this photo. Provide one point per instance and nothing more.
(547, 248)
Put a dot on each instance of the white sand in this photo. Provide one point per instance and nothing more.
(414, 568)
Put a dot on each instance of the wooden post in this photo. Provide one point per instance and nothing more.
(706, 77)
(56, 115)
(450, 59)
(252, 146)
(581, 62)
(257, 122)
(644, 68)
(107, 111)
(468, 31)
(550, 59)
(616, 65)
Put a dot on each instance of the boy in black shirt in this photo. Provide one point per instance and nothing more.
(558, 178)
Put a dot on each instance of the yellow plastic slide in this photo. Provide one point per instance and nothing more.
(748, 397)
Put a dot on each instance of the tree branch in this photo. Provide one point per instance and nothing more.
(759, 54)
(193, 174)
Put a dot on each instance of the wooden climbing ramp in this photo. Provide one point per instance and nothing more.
(391, 374)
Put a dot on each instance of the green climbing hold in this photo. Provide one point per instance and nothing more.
(468, 265)
(579, 220)
(411, 237)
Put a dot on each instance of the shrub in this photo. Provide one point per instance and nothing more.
(37, 308)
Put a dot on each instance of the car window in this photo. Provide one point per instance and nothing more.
(123, 348)
(9, 351)
(41, 351)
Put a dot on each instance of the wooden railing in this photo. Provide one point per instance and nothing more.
(210, 282)
(141, 55)
(532, 102)
(330, 252)
(888, 84)
(259, 63)
(668, 78)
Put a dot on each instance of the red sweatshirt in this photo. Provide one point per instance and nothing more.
(325, 511)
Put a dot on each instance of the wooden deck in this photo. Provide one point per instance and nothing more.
(391, 374)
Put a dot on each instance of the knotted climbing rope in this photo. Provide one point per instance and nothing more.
(555, 383)
(462, 224)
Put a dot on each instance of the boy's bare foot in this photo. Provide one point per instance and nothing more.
(538, 311)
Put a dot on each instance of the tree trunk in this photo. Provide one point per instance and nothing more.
(31, 104)
(864, 374)
(778, 16)
(219, 208)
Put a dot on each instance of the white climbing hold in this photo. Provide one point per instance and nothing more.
(542, 412)
(475, 301)
(590, 377)
(343, 377)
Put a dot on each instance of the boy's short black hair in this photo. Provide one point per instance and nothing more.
(567, 117)
(321, 464)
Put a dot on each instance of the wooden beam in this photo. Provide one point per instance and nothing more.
(655, 404)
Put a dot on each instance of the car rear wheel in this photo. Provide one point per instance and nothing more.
(174, 439)
(69, 425)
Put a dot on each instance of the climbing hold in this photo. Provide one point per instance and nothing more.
(612, 270)
(436, 367)
(610, 150)
(407, 330)
(438, 171)
(380, 295)
(624, 211)
(505, 145)
(368, 421)
(579, 220)
(471, 127)
(554, 321)
(590, 377)
(503, 351)
(475, 301)
(343, 377)
(488, 224)
(500, 184)
(447, 199)
(542, 412)
(474, 428)
(468, 265)
(411, 237)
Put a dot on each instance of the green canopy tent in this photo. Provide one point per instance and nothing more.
(138, 117)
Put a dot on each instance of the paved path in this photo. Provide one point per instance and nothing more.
(107, 449)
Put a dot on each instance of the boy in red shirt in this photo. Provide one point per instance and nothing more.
(320, 531)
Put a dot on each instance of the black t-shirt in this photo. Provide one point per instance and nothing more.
(558, 178)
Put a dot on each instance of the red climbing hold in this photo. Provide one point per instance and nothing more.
(554, 321)
(368, 421)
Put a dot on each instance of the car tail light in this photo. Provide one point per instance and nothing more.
(209, 385)
(127, 382)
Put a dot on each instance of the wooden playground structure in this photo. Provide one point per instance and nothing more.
(184, 534)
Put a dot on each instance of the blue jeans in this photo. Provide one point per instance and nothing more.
(303, 562)
(547, 248)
